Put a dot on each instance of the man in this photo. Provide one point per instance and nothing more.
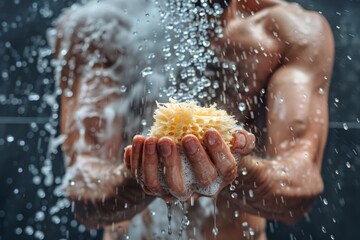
(284, 56)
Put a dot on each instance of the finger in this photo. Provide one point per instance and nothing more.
(150, 166)
(204, 169)
(136, 154)
(127, 157)
(220, 154)
(243, 142)
(171, 162)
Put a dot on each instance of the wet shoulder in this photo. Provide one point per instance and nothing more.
(296, 26)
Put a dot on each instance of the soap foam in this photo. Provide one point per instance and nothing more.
(191, 184)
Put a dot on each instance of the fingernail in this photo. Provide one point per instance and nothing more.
(165, 149)
(150, 148)
(211, 139)
(240, 141)
(190, 146)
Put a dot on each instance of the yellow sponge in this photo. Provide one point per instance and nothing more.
(175, 120)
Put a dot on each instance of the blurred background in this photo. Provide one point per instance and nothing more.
(28, 175)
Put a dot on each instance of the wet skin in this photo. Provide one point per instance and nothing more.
(284, 55)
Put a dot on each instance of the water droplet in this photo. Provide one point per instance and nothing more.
(336, 100)
(242, 107)
(146, 71)
(349, 57)
(10, 138)
(72, 183)
(236, 214)
(345, 126)
(321, 91)
(251, 232)
(39, 235)
(143, 122)
(123, 88)
(39, 216)
(41, 193)
(232, 187)
(215, 231)
(323, 229)
(251, 193)
(348, 165)
(325, 201)
(33, 97)
(245, 224)
(29, 230)
(206, 43)
(234, 195)
(244, 171)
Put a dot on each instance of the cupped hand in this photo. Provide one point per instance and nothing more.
(154, 161)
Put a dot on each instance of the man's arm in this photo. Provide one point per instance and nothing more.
(284, 185)
(100, 187)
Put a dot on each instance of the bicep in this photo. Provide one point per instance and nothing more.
(297, 113)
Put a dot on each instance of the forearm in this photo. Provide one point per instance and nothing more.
(282, 189)
(102, 193)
